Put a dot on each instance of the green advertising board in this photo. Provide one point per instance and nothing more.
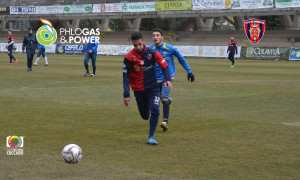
(265, 52)
(287, 3)
(84, 8)
(173, 5)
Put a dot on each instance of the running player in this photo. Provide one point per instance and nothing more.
(167, 51)
(42, 51)
(139, 72)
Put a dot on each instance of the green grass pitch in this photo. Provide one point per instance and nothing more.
(228, 124)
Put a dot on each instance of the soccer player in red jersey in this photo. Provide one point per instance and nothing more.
(139, 73)
(232, 49)
(9, 47)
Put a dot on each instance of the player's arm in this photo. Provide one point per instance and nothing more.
(126, 69)
(36, 44)
(184, 64)
(228, 48)
(11, 42)
(24, 43)
(236, 49)
(94, 49)
(165, 68)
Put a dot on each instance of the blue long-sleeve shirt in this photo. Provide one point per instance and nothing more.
(41, 46)
(168, 51)
(92, 44)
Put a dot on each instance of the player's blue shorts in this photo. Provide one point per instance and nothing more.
(41, 52)
(89, 56)
(165, 92)
(148, 102)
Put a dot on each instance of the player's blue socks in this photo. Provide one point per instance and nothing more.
(11, 57)
(87, 68)
(166, 110)
(153, 124)
(94, 70)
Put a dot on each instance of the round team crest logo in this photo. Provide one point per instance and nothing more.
(46, 35)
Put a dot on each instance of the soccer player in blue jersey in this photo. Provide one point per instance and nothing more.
(91, 53)
(139, 73)
(9, 47)
(42, 51)
(167, 51)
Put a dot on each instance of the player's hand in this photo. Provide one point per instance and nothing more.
(6, 46)
(23, 51)
(36, 50)
(90, 51)
(168, 84)
(126, 101)
(191, 76)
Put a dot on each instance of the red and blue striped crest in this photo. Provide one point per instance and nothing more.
(255, 29)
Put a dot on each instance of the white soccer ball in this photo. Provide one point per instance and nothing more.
(72, 154)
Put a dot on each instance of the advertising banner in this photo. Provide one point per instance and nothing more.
(173, 5)
(18, 47)
(191, 51)
(49, 9)
(70, 49)
(251, 4)
(266, 52)
(139, 7)
(216, 51)
(124, 49)
(83, 8)
(295, 54)
(23, 10)
(51, 48)
(2, 47)
(114, 7)
(211, 4)
(287, 3)
(4, 10)
(109, 50)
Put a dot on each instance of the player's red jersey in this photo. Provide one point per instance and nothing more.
(10, 39)
(232, 46)
(140, 67)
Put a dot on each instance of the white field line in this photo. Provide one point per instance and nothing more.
(292, 124)
(25, 87)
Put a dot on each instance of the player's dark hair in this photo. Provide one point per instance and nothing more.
(136, 36)
(158, 30)
(9, 30)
